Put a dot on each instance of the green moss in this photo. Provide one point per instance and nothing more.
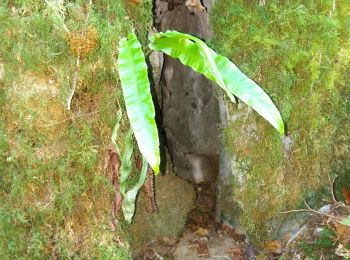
(55, 193)
(322, 246)
(171, 219)
(299, 53)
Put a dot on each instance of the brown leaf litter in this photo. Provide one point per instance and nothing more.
(113, 165)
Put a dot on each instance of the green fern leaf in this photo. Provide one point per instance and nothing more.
(128, 205)
(138, 100)
(194, 53)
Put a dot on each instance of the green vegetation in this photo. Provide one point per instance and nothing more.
(133, 76)
(54, 190)
(194, 53)
(298, 51)
(324, 245)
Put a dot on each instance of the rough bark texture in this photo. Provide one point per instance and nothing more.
(227, 207)
(189, 107)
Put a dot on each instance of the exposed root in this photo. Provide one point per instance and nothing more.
(79, 55)
(114, 166)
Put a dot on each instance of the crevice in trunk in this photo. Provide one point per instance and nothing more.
(189, 107)
(189, 112)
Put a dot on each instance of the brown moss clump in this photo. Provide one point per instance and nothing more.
(81, 44)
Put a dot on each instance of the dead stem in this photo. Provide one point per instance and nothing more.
(114, 163)
(309, 209)
(71, 118)
(59, 16)
(74, 83)
(77, 65)
(332, 188)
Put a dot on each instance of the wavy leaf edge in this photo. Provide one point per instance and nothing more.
(265, 108)
(133, 76)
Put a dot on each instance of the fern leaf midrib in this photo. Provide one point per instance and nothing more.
(135, 81)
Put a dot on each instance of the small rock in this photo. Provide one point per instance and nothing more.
(318, 231)
(250, 252)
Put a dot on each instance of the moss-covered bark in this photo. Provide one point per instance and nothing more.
(298, 51)
(54, 191)
(175, 199)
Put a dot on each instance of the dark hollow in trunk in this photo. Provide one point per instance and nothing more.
(190, 113)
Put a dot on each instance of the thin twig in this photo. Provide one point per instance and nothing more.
(59, 17)
(294, 210)
(70, 118)
(332, 189)
(341, 205)
(86, 23)
(309, 209)
(325, 214)
(331, 184)
(74, 83)
(334, 6)
(77, 65)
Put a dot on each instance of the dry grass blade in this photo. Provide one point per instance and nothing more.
(309, 209)
(195, 5)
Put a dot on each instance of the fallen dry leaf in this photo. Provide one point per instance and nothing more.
(273, 246)
(346, 194)
(342, 251)
(195, 5)
(236, 251)
(203, 232)
(343, 233)
(114, 165)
